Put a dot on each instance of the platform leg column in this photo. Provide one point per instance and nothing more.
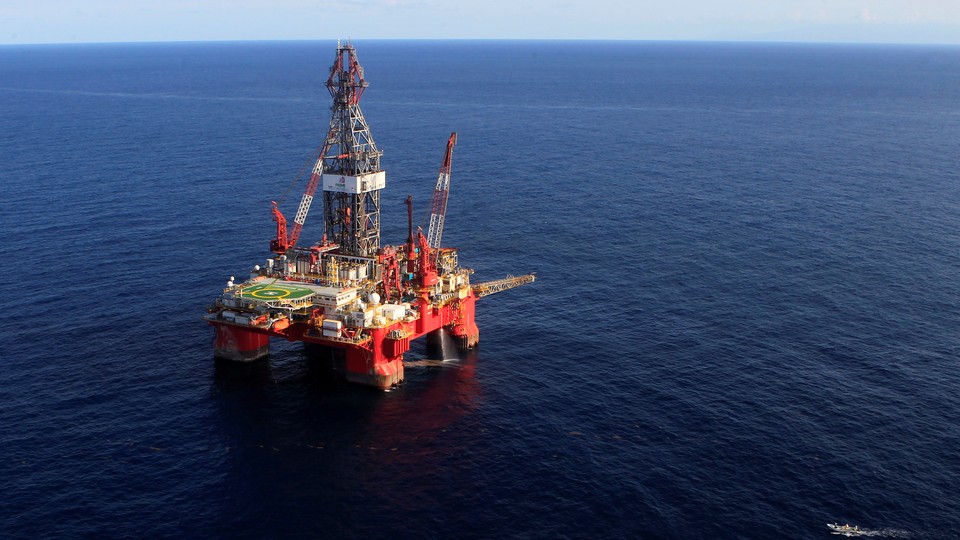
(380, 365)
(361, 368)
(465, 330)
(238, 344)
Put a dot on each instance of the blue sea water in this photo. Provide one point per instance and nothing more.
(745, 323)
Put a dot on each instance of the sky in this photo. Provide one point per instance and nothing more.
(858, 21)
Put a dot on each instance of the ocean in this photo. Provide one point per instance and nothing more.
(744, 325)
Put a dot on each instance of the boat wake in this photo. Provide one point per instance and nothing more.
(852, 531)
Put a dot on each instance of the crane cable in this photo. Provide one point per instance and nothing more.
(311, 162)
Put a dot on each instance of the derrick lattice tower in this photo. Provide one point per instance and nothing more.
(350, 165)
(348, 168)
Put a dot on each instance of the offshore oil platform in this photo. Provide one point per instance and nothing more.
(359, 302)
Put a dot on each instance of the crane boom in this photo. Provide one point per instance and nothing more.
(490, 287)
(307, 199)
(440, 194)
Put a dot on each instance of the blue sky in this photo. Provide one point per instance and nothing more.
(871, 21)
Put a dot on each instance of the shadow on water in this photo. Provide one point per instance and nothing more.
(303, 391)
(293, 429)
(255, 372)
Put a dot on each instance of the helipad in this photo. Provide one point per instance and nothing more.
(276, 291)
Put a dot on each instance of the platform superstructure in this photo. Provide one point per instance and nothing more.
(360, 302)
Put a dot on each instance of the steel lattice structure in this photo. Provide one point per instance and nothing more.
(348, 168)
(441, 193)
(351, 220)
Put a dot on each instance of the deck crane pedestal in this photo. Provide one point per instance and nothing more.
(360, 302)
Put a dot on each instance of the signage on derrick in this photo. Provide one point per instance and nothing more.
(354, 184)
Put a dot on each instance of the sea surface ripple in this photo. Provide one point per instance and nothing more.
(745, 322)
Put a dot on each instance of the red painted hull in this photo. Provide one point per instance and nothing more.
(239, 344)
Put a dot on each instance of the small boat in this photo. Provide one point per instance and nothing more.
(845, 530)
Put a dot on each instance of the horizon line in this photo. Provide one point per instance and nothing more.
(543, 40)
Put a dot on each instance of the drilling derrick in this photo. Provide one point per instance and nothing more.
(352, 178)
(348, 168)
(358, 302)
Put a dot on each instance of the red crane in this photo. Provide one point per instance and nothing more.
(440, 195)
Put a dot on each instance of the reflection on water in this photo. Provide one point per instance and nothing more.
(294, 431)
(294, 428)
(295, 398)
(250, 372)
